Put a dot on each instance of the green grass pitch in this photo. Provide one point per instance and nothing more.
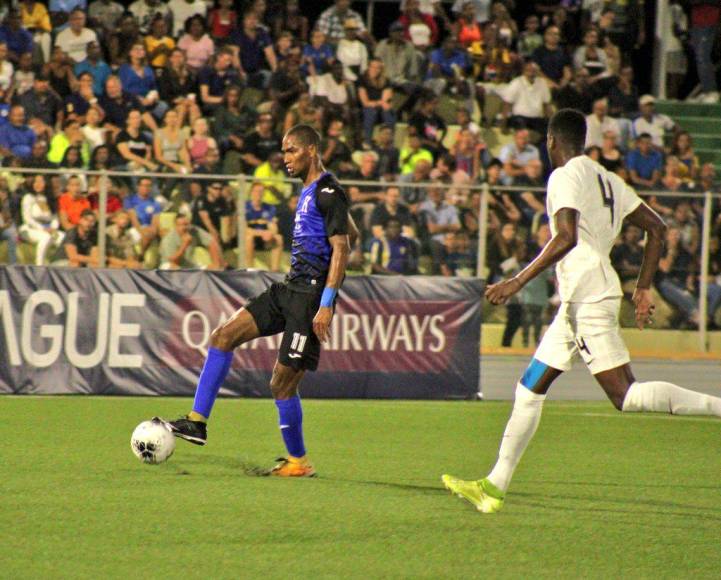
(598, 494)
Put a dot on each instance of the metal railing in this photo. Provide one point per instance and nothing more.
(241, 182)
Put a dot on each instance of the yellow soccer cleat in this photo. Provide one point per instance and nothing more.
(485, 496)
(293, 467)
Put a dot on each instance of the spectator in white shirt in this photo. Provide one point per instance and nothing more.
(651, 122)
(598, 123)
(75, 38)
(527, 100)
(352, 52)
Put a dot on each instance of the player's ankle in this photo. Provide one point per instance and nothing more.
(193, 416)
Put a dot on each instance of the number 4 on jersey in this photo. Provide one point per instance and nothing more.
(607, 195)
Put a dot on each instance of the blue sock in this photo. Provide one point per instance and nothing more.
(291, 425)
(217, 365)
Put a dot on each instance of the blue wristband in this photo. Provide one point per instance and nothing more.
(329, 294)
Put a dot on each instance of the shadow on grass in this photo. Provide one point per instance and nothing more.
(426, 489)
(625, 505)
(236, 465)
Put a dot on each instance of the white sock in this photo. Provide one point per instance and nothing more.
(662, 397)
(519, 431)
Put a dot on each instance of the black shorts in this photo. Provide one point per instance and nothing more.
(283, 309)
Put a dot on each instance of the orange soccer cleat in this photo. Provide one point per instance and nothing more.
(293, 467)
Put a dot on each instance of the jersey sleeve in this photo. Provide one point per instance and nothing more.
(564, 191)
(629, 201)
(333, 206)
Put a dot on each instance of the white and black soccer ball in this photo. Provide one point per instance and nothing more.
(152, 442)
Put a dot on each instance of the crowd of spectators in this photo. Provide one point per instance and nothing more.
(207, 87)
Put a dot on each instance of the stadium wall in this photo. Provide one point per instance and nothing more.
(145, 332)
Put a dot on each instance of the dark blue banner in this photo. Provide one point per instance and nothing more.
(127, 332)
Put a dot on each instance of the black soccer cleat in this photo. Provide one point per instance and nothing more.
(193, 431)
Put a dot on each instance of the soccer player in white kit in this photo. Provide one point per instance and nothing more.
(586, 206)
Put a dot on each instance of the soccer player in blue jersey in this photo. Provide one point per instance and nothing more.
(301, 307)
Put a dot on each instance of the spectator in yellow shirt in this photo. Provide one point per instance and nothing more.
(158, 44)
(268, 174)
(36, 20)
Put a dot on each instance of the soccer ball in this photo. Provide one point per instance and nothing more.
(152, 442)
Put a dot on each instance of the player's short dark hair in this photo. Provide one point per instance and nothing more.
(569, 127)
(86, 212)
(644, 136)
(305, 134)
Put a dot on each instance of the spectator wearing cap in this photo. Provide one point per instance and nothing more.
(42, 105)
(392, 253)
(36, 20)
(644, 163)
(75, 38)
(352, 52)
(332, 21)
(652, 123)
(80, 246)
(16, 138)
(253, 51)
(96, 66)
(598, 123)
(517, 155)
(19, 41)
(318, 55)
(527, 100)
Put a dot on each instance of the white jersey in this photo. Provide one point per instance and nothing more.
(602, 200)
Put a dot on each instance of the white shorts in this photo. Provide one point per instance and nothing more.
(590, 330)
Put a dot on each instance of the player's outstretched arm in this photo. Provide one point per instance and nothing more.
(649, 221)
(566, 222)
(340, 245)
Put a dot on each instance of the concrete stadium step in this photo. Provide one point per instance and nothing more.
(677, 109)
(708, 155)
(706, 142)
(700, 125)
